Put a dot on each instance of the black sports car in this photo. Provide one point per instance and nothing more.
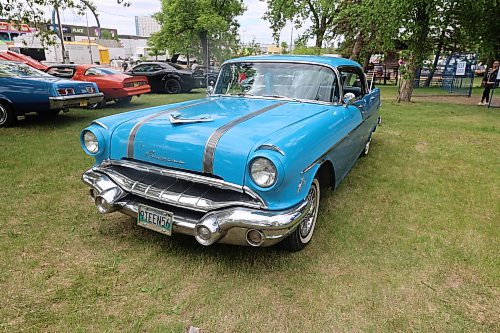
(165, 77)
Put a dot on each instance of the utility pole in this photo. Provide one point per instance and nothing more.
(61, 35)
(88, 37)
(291, 39)
(208, 61)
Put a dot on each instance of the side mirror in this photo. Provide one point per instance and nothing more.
(349, 99)
(210, 90)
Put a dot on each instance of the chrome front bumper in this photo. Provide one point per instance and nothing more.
(230, 225)
(64, 102)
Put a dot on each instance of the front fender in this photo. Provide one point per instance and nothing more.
(301, 149)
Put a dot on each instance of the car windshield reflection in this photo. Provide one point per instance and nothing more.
(10, 69)
(294, 81)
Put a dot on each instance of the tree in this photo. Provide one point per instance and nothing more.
(445, 25)
(155, 52)
(320, 12)
(284, 47)
(374, 28)
(188, 25)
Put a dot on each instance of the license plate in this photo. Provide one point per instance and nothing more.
(83, 103)
(136, 84)
(155, 219)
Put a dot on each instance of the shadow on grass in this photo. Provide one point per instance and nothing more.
(229, 258)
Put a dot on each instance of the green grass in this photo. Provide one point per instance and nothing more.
(408, 243)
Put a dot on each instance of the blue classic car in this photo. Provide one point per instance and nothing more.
(247, 164)
(24, 89)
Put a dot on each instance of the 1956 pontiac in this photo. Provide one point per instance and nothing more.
(245, 165)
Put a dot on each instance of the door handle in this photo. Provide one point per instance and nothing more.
(361, 106)
(372, 98)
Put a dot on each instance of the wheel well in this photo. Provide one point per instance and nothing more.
(326, 175)
(6, 102)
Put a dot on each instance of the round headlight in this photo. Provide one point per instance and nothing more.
(263, 172)
(90, 141)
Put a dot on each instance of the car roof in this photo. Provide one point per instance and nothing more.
(72, 66)
(322, 60)
(152, 63)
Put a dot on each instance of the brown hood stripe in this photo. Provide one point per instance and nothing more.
(135, 129)
(213, 140)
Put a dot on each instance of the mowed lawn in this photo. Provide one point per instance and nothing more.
(408, 243)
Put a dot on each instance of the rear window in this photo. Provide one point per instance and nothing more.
(62, 72)
(10, 69)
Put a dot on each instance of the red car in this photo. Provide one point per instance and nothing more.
(116, 86)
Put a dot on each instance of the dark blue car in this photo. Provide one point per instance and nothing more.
(24, 89)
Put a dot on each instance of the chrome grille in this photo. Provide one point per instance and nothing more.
(177, 188)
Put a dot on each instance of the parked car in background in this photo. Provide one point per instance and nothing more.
(116, 86)
(165, 77)
(247, 164)
(203, 78)
(24, 89)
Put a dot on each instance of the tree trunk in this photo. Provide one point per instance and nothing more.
(319, 39)
(204, 48)
(358, 46)
(436, 58)
(417, 53)
(366, 62)
(407, 80)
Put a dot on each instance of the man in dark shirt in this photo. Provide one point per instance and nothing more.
(488, 83)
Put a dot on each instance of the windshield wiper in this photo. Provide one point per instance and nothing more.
(284, 97)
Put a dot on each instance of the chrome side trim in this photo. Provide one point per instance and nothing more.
(98, 123)
(213, 140)
(137, 126)
(272, 147)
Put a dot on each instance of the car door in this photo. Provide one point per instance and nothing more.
(353, 81)
(151, 71)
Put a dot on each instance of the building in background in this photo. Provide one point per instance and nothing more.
(146, 26)
(75, 33)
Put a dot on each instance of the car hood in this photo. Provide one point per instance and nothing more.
(214, 135)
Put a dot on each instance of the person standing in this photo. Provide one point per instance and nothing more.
(488, 83)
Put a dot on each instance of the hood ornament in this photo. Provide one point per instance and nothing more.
(176, 118)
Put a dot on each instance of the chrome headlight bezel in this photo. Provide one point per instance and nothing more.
(92, 142)
(263, 172)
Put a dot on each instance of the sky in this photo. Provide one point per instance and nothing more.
(115, 16)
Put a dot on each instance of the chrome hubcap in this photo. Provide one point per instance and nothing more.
(307, 225)
(367, 146)
(3, 115)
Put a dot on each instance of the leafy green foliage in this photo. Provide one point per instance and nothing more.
(188, 26)
(320, 12)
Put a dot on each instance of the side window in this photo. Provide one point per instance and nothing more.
(155, 68)
(353, 81)
(141, 69)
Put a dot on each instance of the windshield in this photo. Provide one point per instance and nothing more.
(21, 70)
(280, 80)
